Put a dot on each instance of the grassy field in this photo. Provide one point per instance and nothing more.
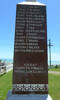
(54, 69)
(6, 84)
(54, 86)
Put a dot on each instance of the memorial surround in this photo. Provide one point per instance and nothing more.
(30, 67)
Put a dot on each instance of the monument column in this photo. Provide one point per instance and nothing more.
(30, 69)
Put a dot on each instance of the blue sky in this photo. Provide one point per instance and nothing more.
(7, 26)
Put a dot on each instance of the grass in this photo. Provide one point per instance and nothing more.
(6, 84)
(55, 69)
(54, 86)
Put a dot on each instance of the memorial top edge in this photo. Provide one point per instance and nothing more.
(32, 3)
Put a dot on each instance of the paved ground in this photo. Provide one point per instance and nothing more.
(10, 96)
(54, 72)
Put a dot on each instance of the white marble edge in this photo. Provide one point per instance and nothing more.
(32, 3)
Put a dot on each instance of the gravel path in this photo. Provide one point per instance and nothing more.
(54, 72)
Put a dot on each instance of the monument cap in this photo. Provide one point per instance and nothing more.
(31, 3)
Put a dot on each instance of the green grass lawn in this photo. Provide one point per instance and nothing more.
(54, 69)
(54, 86)
(6, 84)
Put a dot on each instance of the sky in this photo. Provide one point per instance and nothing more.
(7, 27)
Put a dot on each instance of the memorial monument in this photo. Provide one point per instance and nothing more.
(30, 67)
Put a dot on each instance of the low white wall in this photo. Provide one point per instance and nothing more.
(9, 67)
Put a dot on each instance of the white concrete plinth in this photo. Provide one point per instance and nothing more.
(10, 96)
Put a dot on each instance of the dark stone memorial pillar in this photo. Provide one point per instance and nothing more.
(30, 67)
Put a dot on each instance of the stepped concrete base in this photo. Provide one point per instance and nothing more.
(11, 96)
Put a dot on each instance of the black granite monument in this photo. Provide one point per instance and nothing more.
(30, 68)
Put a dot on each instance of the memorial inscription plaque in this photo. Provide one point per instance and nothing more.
(30, 68)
